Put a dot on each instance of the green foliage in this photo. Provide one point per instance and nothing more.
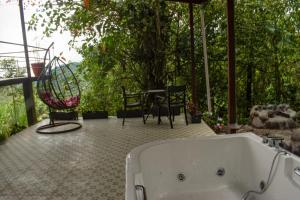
(12, 110)
(136, 44)
(268, 53)
(40, 107)
(11, 69)
(215, 122)
(3, 136)
(13, 117)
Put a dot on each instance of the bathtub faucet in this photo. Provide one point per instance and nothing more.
(273, 141)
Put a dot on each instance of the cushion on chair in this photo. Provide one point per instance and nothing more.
(69, 102)
(134, 104)
(72, 101)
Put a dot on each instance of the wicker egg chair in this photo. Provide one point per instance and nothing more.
(58, 88)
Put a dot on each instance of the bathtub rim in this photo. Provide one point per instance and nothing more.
(137, 150)
(133, 166)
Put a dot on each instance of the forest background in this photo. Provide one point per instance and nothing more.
(146, 44)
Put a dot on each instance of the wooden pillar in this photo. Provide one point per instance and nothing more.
(205, 59)
(193, 64)
(27, 85)
(231, 68)
(29, 103)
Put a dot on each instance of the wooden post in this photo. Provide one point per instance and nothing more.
(205, 60)
(193, 64)
(27, 85)
(231, 68)
(29, 103)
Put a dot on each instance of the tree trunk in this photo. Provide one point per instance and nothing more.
(205, 60)
(249, 88)
(177, 49)
(277, 79)
(277, 82)
(159, 54)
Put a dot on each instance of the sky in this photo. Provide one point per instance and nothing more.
(10, 31)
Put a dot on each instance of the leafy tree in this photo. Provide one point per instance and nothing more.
(267, 54)
(137, 44)
(11, 69)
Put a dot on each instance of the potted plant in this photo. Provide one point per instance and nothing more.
(37, 68)
(38, 65)
(93, 107)
(129, 113)
(215, 122)
(70, 115)
(95, 115)
(195, 115)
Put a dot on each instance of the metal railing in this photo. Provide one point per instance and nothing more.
(13, 63)
(14, 70)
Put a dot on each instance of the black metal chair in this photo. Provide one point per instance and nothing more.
(58, 88)
(131, 101)
(175, 99)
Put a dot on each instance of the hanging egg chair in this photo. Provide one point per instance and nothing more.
(58, 88)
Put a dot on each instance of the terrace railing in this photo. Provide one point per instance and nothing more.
(14, 70)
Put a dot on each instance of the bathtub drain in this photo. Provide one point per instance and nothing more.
(220, 171)
(181, 177)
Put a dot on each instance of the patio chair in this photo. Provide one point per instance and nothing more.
(58, 88)
(175, 99)
(132, 101)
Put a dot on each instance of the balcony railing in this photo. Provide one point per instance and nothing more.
(14, 70)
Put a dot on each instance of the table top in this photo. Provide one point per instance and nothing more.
(155, 91)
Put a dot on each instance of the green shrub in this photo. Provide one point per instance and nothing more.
(13, 117)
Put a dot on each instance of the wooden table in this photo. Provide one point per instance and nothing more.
(152, 94)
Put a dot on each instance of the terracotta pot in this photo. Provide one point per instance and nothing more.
(37, 68)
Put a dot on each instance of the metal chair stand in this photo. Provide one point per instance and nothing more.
(58, 88)
(43, 129)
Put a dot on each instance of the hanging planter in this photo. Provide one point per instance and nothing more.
(86, 3)
(37, 68)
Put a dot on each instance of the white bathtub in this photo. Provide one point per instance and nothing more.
(158, 166)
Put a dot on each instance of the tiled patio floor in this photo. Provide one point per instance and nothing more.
(86, 164)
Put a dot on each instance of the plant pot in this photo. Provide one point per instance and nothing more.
(2, 142)
(129, 113)
(95, 115)
(64, 115)
(196, 118)
(37, 68)
(2, 139)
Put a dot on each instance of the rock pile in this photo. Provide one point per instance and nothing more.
(294, 144)
(273, 117)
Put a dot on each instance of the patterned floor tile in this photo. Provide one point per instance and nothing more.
(13, 197)
(87, 164)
